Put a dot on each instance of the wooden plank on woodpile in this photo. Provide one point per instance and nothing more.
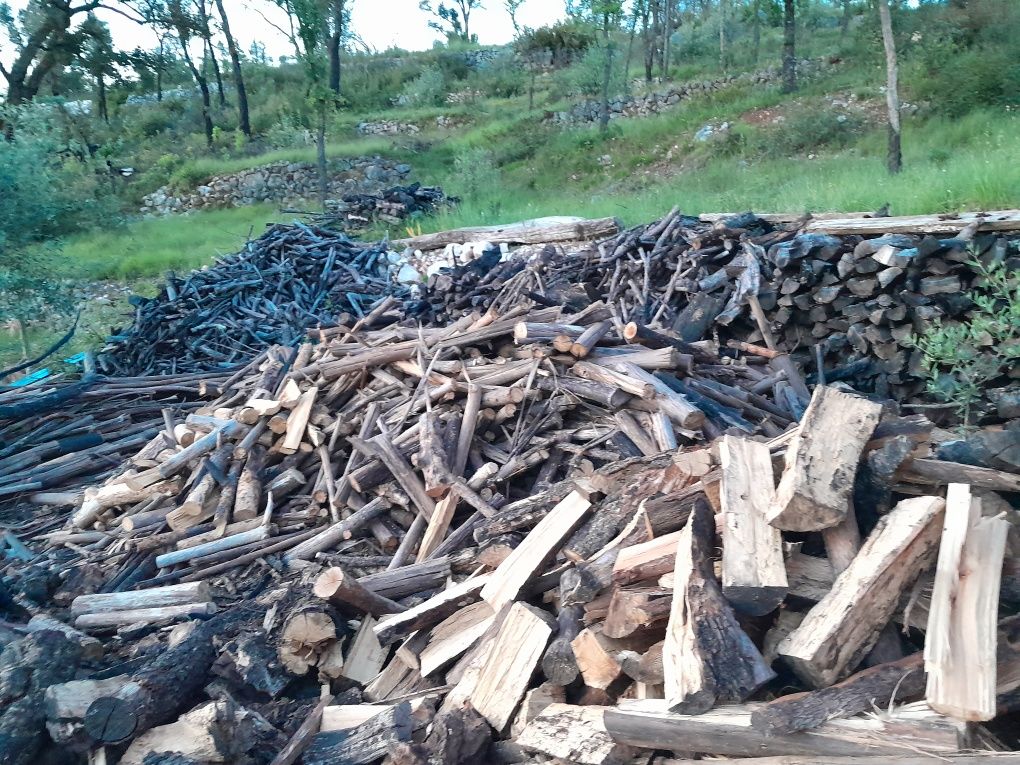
(707, 657)
(960, 643)
(997, 220)
(537, 231)
(821, 461)
(841, 628)
(727, 731)
(365, 656)
(574, 734)
(364, 744)
(753, 572)
(525, 562)
(511, 663)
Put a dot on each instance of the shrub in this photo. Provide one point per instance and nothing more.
(585, 77)
(44, 197)
(809, 129)
(963, 359)
(427, 89)
(287, 132)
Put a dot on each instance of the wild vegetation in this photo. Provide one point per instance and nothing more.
(77, 108)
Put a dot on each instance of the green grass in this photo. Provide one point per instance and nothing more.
(148, 248)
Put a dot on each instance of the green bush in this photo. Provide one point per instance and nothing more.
(427, 89)
(44, 197)
(967, 79)
(809, 129)
(585, 77)
(963, 359)
(287, 132)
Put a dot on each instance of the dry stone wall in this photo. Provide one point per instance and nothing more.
(283, 182)
(587, 112)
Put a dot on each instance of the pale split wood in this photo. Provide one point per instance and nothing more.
(821, 461)
(365, 657)
(525, 562)
(960, 643)
(510, 665)
(573, 734)
(841, 628)
(753, 572)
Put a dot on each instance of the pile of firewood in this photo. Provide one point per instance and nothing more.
(846, 294)
(394, 206)
(290, 278)
(499, 541)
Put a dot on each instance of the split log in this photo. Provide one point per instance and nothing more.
(872, 688)
(525, 562)
(753, 573)
(511, 662)
(574, 734)
(727, 731)
(821, 461)
(430, 612)
(841, 628)
(960, 644)
(706, 657)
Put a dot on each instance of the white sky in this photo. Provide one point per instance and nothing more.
(381, 23)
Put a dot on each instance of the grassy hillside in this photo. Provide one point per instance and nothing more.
(819, 149)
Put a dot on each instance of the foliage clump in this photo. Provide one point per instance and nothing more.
(963, 359)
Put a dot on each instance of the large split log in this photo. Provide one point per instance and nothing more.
(960, 643)
(753, 574)
(869, 689)
(707, 657)
(727, 731)
(841, 628)
(821, 461)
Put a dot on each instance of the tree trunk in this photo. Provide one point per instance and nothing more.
(722, 35)
(335, 43)
(667, 34)
(789, 49)
(607, 72)
(892, 97)
(657, 48)
(23, 80)
(104, 115)
(630, 50)
(844, 20)
(756, 32)
(531, 86)
(244, 123)
(203, 86)
(648, 36)
(320, 146)
(211, 55)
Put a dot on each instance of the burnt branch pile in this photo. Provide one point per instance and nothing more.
(394, 205)
(290, 278)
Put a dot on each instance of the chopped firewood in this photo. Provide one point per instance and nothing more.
(753, 574)
(960, 644)
(845, 624)
(727, 731)
(574, 734)
(707, 657)
(512, 660)
(821, 461)
(523, 564)
(878, 686)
